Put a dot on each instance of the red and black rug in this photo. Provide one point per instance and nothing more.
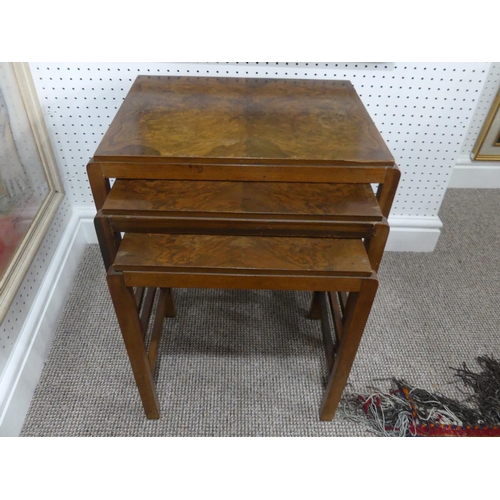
(405, 410)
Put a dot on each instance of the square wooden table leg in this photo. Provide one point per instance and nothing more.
(358, 308)
(109, 241)
(387, 190)
(128, 318)
(315, 311)
(170, 311)
(99, 184)
(375, 244)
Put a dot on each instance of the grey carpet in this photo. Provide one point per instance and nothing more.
(249, 363)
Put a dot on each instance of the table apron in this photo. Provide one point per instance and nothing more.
(242, 281)
(270, 173)
(236, 226)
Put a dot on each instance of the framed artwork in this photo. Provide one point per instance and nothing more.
(30, 186)
(487, 146)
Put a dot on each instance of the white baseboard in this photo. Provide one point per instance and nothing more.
(475, 174)
(413, 234)
(24, 366)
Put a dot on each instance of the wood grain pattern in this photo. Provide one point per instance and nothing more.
(243, 199)
(213, 171)
(165, 119)
(175, 278)
(250, 255)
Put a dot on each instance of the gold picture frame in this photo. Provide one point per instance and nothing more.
(30, 185)
(487, 146)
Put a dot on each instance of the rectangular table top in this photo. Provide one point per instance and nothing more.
(171, 120)
(242, 254)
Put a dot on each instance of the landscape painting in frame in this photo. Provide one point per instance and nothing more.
(30, 188)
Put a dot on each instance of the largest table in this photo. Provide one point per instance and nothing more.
(243, 130)
(232, 130)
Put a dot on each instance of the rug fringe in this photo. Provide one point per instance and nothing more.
(406, 410)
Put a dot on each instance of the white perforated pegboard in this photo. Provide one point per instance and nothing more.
(310, 66)
(490, 89)
(423, 111)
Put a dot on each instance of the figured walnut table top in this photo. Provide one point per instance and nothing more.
(243, 121)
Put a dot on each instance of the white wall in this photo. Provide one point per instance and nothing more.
(423, 111)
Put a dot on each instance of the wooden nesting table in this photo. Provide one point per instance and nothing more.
(242, 183)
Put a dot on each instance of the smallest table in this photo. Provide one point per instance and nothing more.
(242, 262)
